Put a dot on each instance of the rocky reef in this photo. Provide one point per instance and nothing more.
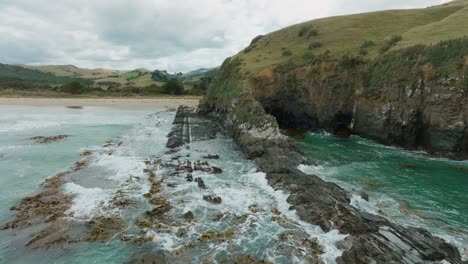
(424, 113)
(47, 140)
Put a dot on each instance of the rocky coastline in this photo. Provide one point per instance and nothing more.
(372, 238)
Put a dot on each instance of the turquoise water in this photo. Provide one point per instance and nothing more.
(408, 187)
(24, 165)
(140, 135)
(431, 190)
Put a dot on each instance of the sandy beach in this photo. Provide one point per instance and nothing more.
(106, 102)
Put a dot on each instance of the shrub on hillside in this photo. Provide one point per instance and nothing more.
(315, 45)
(256, 39)
(364, 49)
(307, 31)
(390, 43)
(367, 44)
(303, 31)
(248, 49)
(73, 87)
(312, 33)
(286, 52)
(308, 56)
(174, 87)
(350, 61)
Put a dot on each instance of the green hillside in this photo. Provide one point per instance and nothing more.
(346, 34)
(10, 73)
(328, 63)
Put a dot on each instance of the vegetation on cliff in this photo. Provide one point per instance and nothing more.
(318, 74)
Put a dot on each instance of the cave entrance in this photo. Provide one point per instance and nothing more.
(295, 122)
(342, 125)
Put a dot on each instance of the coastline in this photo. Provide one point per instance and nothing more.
(102, 102)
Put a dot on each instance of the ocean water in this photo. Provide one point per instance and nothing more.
(411, 188)
(256, 217)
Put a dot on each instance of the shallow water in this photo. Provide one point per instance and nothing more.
(408, 187)
(254, 219)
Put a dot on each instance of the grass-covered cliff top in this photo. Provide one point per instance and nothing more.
(368, 34)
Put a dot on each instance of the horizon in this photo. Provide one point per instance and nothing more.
(119, 37)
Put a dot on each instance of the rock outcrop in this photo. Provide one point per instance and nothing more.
(412, 111)
(371, 238)
(401, 98)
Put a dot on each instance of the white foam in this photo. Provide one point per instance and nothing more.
(386, 206)
(88, 202)
(327, 240)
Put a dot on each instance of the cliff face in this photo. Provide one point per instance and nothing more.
(413, 97)
(410, 98)
(242, 107)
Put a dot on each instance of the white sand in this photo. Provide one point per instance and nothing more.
(112, 102)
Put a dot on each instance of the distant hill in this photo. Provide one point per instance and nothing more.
(201, 77)
(104, 78)
(100, 77)
(11, 73)
(198, 72)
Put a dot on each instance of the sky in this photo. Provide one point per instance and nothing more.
(176, 35)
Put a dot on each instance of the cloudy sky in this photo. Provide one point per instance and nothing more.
(178, 35)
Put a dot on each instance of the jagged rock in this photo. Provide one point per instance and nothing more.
(189, 177)
(46, 140)
(212, 199)
(103, 228)
(365, 196)
(205, 167)
(210, 156)
(159, 211)
(86, 153)
(200, 183)
(217, 170)
(188, 216)
(326, 204)
(172, 185)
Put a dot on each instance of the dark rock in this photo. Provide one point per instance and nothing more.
(46, 140)
(365, 196)
(372, 239)
(211, 157)
(189, 177)
(172, 185)
(217, 170)
(188, 216)
(159, 211)
(200, 183)
(212, 199)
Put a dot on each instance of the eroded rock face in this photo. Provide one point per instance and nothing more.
(372, 239)
(414, 112)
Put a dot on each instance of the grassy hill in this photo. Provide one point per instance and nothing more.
(316, 72)
(346, 34)
(101, 77)
(10, 73)
(136, 78)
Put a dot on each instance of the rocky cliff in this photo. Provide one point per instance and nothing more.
(415, 97)
(408, 91)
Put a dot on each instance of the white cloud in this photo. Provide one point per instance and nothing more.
(177, 35)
